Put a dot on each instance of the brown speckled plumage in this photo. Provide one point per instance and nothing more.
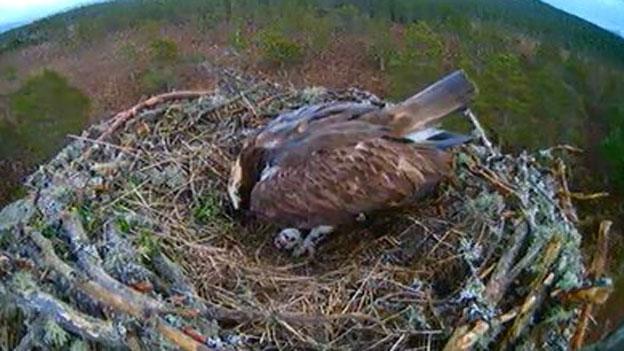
(326, 164)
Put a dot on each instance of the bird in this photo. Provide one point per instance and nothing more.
(327, 165)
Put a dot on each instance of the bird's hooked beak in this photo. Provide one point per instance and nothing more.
(234, 184)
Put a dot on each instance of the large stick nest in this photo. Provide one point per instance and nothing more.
(126, 239)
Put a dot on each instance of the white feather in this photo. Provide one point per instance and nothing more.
(268, 172)
(423, 135)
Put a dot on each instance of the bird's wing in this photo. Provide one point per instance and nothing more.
(333, 186)
(293, 124)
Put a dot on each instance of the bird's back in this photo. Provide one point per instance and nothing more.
(326, 164)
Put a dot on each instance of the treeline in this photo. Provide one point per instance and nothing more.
(544, 77)
(531, 17)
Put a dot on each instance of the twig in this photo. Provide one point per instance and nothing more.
(124, 300)
(90, 263)
(500, 280)
(122, 117)
(585, 197)
(596, 270)
(480, 131)
(172, 272)
(538, 287)
(566, 202)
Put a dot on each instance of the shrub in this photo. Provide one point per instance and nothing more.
(418, 63)
(128, 51)
(163, 51)
(44, 110)
(279, 49)
(237, 38)
(157, 79)
(8, 73)
(613, 146)
(381, 47)
(205, 21)
(349, 19)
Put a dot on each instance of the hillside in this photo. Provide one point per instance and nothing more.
(545, 77)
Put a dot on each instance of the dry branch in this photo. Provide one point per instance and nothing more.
(122, 117)
(596, 270)
(111, 293)
(67, 317)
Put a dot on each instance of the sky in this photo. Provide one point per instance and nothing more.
(19, 11)
(608, 14)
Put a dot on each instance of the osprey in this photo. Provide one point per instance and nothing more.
(326, 165)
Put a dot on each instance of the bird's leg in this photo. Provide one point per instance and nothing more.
(309, 244)
(288, 239)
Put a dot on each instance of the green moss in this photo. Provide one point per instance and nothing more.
(207, 209)
(147, 243)
(123, 225)
(89, 220)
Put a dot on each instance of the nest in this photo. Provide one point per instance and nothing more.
(126, 239)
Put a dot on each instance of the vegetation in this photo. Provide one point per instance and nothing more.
(279, 49)
(43, 111)
(8, 73)
(164, 51)
(543, 75)
(159, 74)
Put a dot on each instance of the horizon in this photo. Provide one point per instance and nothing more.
(606, 14)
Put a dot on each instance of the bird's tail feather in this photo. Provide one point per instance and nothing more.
(424, 109)
(438, 138)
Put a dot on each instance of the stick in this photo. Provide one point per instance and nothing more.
(596, 270)
(76, 322)
(533, 300)
(500, 280)
(125, 300)
(90, 263)
(480, 131)
(122, 117)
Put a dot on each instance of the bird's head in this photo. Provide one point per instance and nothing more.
(244, 174)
